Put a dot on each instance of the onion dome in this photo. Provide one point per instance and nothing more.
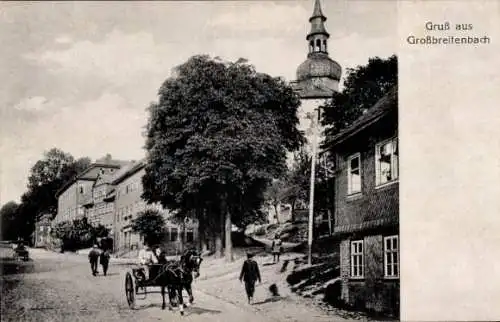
(318, 63)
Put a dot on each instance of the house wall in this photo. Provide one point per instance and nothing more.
(374, 202)
(377, 205)
(128, 205)
(70, 201)
(373, 292)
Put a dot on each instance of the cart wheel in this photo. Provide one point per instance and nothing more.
(130, 290)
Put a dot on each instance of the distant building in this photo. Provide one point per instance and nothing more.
(41, 236)
(71, 197)
(367, 207)
(128, 204)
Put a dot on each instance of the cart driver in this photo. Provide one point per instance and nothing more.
(146, 258)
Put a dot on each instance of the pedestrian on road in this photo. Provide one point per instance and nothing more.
(250, 274)
(93, 259)
(104, 259)
(276, 248)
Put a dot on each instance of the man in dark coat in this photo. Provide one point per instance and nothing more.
(93, 259)
(250, 274)
(105, 255)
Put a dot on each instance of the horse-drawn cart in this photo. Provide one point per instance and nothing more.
(21, 254)
(137, 284)
(171, 276)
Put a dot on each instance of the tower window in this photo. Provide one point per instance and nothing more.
(324, 46)
(311, 46)
(318, 45)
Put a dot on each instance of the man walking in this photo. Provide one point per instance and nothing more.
(93, 259)
(105, 261)
(250, 274)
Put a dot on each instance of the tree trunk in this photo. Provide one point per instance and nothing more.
(202, 231)
(276, 214)
(228, 249)
(183, 234)
(219, 235)
(218, 246)
(293, 211)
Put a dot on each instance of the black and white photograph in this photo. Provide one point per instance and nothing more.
(199, 161)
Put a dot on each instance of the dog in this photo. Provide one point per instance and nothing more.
(274, 290)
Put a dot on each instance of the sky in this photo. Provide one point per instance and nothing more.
(79, 75)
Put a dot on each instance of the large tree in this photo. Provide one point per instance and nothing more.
(298, 180)
(46, 177)
(363, 87)
(8, 221)
(218, 133)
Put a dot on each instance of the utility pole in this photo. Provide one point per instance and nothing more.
(311, 191)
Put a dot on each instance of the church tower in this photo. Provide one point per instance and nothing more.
(318, 76)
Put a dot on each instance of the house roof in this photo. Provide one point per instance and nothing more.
(388, 103)
(86, 174)
(129, 170)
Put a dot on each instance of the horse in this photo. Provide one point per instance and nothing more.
(190, 263)
(174, 276)
(169, 276)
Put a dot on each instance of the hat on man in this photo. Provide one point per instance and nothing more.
(250, 255)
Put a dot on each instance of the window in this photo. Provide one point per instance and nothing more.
(173, 234)
(189, 236)
(391, 257)
(386, 161)
(81, 190)
(354, 174)
(357, 268)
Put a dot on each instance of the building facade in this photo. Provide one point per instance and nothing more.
(41, 236)
(73, 195)
(367, 208)
(128, 205)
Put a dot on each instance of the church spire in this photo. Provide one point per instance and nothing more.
(318, 35)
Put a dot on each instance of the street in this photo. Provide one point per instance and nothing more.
(61, 288)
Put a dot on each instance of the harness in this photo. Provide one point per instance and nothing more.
(177, 268)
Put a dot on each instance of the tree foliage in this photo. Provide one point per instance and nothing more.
(8, 223)
(78, 234)
(363, 87)
(46, 177)
(151, 225)
(218, 134)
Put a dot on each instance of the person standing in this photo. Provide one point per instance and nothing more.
(104, 259)
(250, 274)
(276, 248)
(93, 259)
